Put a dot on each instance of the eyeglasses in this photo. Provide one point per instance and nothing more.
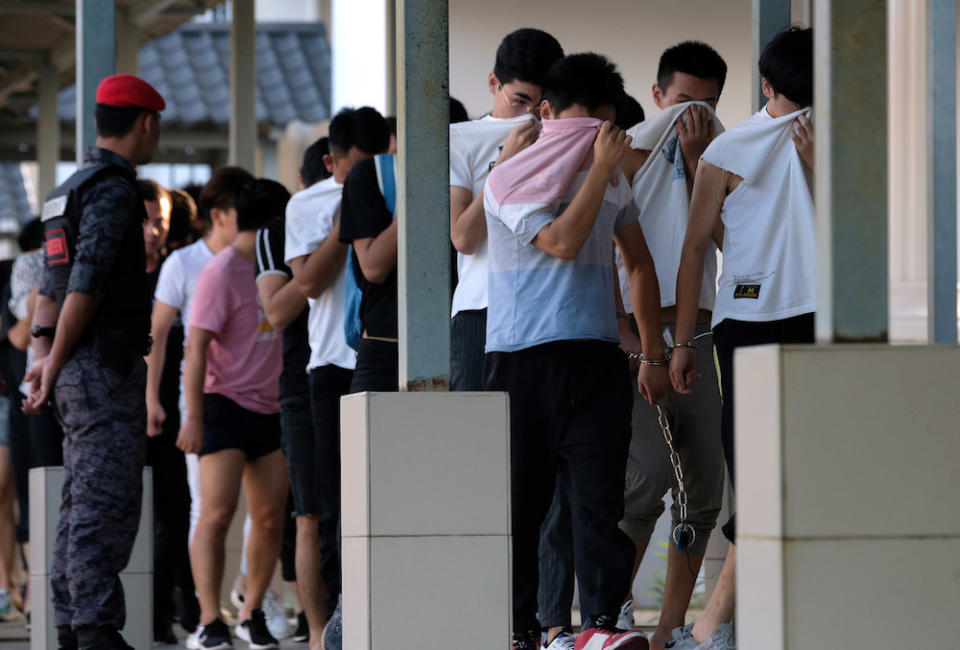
(526, 103)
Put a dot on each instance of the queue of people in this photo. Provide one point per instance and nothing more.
(212, 336)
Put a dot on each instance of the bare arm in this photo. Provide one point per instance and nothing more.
(564, 236)
(378, 255)
(705, 206)
(282, 299)
(190, 438)
(19, 334)
(160, 324)
(632, 161)
(315, 272)
(468, 222)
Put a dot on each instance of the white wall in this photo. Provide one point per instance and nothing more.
(359, 38)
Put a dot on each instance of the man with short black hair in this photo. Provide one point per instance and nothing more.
(91, 324)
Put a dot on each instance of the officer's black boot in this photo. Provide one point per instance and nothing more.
(66, 638)
(103, 637)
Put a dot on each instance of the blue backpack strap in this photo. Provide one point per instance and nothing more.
(386, 165)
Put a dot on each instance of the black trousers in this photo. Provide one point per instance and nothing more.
(570, 404)
(468, 338)
(377, 367)
(729, 335)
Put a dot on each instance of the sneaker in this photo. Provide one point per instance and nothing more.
(333, 631)
(625, 618)
(276, 616)
(722, 638)
(215, 635)
(8, 609)
(562, 641)
(604, 635)
(193, 639)
(236, 599)
(163, 633)
(682, 638)
(525, 641)
(302, 633)
(255, 632)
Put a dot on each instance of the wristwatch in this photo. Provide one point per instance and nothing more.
(47, 332)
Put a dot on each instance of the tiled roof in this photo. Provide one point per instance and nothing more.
(13, 196)
(191, 68)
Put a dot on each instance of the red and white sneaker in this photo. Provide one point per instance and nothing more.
(611, 638)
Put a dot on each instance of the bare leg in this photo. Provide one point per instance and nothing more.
(641, 546)
(313, 591)
(265, 485)
(682, 571)
(721, 605)
(8, 539)
(220, 477)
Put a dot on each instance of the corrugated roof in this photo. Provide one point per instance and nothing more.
(13, 196)
(191, 68)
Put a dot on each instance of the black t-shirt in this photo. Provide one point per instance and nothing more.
(296, 342)
(364, 213)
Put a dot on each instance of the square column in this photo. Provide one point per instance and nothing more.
(425, 511)
(96, 37)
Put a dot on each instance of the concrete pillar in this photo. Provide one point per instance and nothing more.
(243, 86)
(48, 131)
(426, 521)
(851, 162)
(942, 177)
(847, 518)
(96, 27)
(128, 42)
(768, 18)
(46, 486)
(423, 199)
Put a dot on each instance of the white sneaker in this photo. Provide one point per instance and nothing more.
(276, 615)
(625, 618)
(236, 599)
(722, 638)
(8, 609)
(193, 639)
(562, 641)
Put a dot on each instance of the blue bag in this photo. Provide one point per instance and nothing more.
(352, 325)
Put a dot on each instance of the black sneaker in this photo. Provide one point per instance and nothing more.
(302, 635)
(254, 631)
(215, 636)
(526, 641)
(163, 633)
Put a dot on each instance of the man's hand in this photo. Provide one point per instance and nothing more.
(683, 369)
(653, 382)
(630, 343)
(803, 139)
(695, 131)
(41, 377)
(190, 438)
(611, 144)
(521, 137)
(155, 418)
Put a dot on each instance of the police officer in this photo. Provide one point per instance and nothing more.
(90, 332)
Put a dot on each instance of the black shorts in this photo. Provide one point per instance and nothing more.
(227, 425)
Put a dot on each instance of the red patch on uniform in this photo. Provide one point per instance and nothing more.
(57, 252)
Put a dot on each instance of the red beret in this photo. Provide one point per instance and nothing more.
(128, 90)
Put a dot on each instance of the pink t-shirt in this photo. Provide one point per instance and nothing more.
(245, 357)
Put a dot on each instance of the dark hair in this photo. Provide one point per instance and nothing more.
(787, 64)
(115, 121)
(313, 169)
(221, 190)
(151, 190)
(363, 128)
(260, 202)
(392, 124)
(629, 112)
(692, 58)
(31, 235)
(458, 113)
(185, 227)
(587, 79)
(526, 55)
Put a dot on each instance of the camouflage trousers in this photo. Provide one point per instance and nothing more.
(99, 398)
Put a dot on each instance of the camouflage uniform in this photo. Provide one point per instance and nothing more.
(99, 393)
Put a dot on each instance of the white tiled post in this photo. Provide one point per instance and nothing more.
(847, 484)
(46, 486)
(426, 521)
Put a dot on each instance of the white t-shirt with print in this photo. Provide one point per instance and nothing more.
(178, 278)
(310, 217)
(474, 148)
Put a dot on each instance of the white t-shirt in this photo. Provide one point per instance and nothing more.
(178, 278)
(310, 217)
(474, 148)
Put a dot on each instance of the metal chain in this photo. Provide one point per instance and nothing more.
(683, 534)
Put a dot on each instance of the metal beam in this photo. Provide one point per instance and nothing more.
(143, 11)
(36, 7)
(942, 175)
(96, 26)
(128, 41)
(48, 132)
(243, 86)
(768, 18)
(423, 200)
(850, 76)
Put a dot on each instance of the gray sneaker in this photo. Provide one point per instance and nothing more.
(682, 642)
(685, 632)
(722, 638)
